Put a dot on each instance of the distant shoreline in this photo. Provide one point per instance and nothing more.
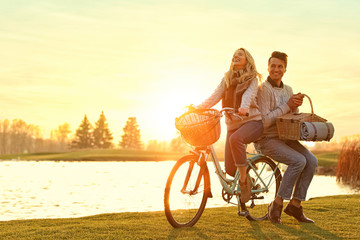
(99, 159)
(96, 155)
(326, 166)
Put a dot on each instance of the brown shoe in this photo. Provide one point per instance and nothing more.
(297, 213)
(245, 190)
(275, 212)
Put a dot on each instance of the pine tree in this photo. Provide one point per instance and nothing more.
(102, 135)
(83, 135)
(131, 137)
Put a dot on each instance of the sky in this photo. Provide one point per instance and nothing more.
(60, 60)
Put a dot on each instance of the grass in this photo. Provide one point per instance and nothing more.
(327, 159)
(335, 217)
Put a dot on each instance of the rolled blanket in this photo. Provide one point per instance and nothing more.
(316, 131)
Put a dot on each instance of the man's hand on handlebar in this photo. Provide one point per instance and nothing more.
(243, 112)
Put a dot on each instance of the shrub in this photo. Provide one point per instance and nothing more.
(348, 170)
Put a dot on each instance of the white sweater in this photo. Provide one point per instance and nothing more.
(248, 101)
(272, 104)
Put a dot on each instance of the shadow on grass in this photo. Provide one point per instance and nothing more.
(317, 231)
(306, 231)
(258, 232)
(190, 232)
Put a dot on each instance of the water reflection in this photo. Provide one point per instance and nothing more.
(47, 189)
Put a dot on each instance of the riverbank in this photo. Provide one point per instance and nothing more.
(96, 155)
(326, 166)
(327, 162)
(335, 218)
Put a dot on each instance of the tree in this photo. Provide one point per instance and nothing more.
(19, 131)
(61, 135)
(102, 135)
(5, 136)
(83, 135)
(159, 146)
(131, 137)
(177, 145)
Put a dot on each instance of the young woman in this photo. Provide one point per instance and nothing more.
(238, 90)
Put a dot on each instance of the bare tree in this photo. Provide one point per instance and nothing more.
(4, 136)
(177, 145)
(61, 135)
(159, 146)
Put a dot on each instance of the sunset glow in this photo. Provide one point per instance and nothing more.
(63, 59)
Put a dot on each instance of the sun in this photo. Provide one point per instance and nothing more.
(168, 97)
(172, 105)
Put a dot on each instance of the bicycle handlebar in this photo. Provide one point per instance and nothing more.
(231, 111)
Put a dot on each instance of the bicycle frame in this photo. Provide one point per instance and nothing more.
(230, 184)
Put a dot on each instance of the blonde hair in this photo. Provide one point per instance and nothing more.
(248, 73)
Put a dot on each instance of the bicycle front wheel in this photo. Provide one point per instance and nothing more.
(266, 178)
(185, 195)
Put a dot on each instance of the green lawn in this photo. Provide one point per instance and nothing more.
(335, 217)
(327, 159)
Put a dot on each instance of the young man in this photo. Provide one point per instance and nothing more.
(275, 99)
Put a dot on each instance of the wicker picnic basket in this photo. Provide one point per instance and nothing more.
(288, 125)
(200, 127)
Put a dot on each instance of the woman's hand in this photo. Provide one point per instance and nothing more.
(191, 108)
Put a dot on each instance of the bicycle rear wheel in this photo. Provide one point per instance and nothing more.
(266, 180)
(185, 192)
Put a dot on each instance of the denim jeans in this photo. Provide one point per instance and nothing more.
(235, 148)
(300, 161)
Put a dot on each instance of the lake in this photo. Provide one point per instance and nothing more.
(49, 189)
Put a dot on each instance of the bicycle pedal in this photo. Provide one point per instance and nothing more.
(243, 213)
